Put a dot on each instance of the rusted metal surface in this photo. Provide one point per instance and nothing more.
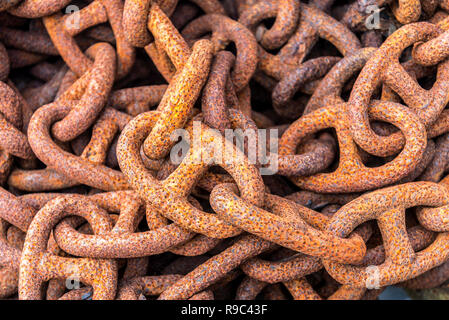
(118, 173)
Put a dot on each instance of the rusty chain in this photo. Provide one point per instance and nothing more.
(206, 149)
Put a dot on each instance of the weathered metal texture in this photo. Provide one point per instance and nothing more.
(384, 67)
(37, 266)
(76, 119)
(178, 101)
(33, 8)
(225, 30)
(178, 184)
(286, 14)
(352, 175)
(288, 66)
(62, 31)
(387, 206)
(294, 234)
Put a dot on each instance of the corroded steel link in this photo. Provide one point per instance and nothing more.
(8, 282)
(178, 184)
(15, 211)
(33, 9)
(284, 91)
(144, 243)
(429, 7)
(136, 267)
(12, 140)
(10, 250)
(300, 289)
(178, 101)
(10, 105)
(132, 289)
(225, 30)
(286, 21)
(315, 155)
(210, 180)
(146, 286)
(100, 33)
(99, 245)
(6, 4)
(286, 65)
(435, 219)
(184, 265)
(94, 151)
(297, 265)
(249, 288)
(210, 6)
(136, 16)
(293, 234)
(444, 4)
(91, 91)
(204, 295)
(185, 12)
(91, 15)
(200, 244)
(38, 266)
(431, 279)
(161, 61)
(384, 66)
(143, 190)
(31, 41)
(435, 170)
(352, 175)
(167, 39)
(253, 150)
(10, 255)
(20, 58)
(6, 164)
(67, 81)
(4, 63)
(279, 271)
(317, 201)
(406, 11)
(105, 245)
(215, 268)
(419, 237)
(357, 13)
(135, 20)
(440, 126)
(36, 97)
(9, 273)
(329, 90)
(214, 103)
(415, 70)
(434, 50)
(84, 293)
(388, 206)
(220, 103)
(313, 23)
(39, 180)
(138, 99)
(69, 165)
(100, 11)
(125, 202)
(244, 99)
(290, 268)
(425, 161)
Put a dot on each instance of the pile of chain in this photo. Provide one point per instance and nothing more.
(99, 98)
